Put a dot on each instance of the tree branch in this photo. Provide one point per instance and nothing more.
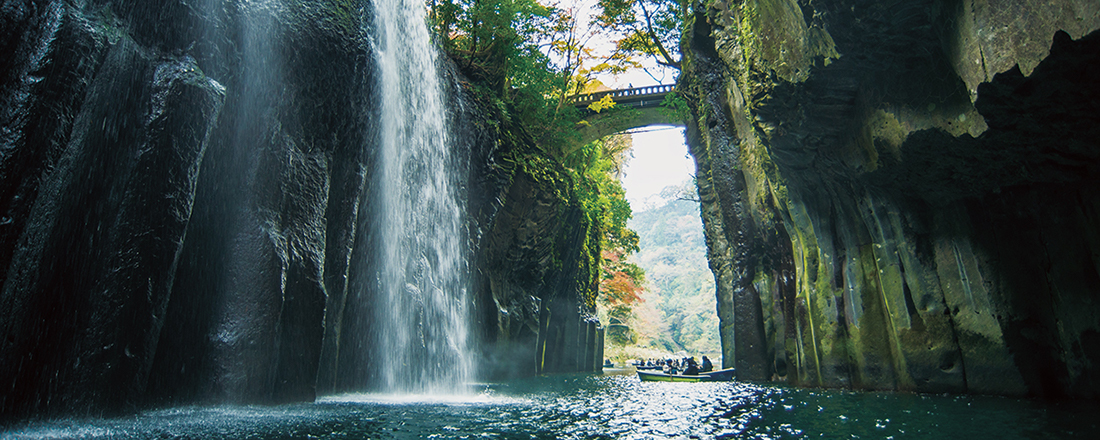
(668, 62)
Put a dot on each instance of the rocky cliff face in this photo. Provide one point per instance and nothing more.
(536, 254)
(902, 194)
(182, 191)
(170, 236)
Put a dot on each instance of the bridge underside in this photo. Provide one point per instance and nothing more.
(608, 123)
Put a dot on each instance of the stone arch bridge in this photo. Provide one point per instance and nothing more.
(646, 101)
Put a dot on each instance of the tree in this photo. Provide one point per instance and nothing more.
(598, 165)
(532, 56)
(621, 283)
(491, 38)
(647, 28)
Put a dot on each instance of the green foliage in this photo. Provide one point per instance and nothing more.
(527, 58)
(489, 35)
(602, 195)
(676, 107)
(603, 199)
(648, 28)
(604, 103)
(498, 45)
(532, 56)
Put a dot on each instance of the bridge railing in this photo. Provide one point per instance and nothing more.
(588, 98)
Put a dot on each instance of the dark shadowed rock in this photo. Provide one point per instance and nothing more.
(92, 272)
(533, 251)
(918, 210)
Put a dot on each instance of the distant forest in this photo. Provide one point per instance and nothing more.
(678, 312)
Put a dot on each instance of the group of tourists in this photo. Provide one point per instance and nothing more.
(686, 366)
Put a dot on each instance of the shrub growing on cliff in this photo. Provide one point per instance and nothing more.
(596, 167)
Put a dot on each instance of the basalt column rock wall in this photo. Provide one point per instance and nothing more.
(179, 189)
(535, 254)
(902, 194)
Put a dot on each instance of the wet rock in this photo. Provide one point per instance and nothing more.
(534, 253)
(185, 207)
(263, 277)
(898, 201)
(171, 228)
(92, 270)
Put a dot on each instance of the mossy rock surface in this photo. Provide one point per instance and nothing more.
(897, 173)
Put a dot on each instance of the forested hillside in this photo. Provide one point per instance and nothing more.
(678, 312)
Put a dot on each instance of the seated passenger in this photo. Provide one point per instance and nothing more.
(707, 366)
(692, 368)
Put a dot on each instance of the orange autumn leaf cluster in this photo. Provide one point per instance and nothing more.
(621, 283)
(620, 288)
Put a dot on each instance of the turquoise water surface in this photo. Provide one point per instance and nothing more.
(604, 407)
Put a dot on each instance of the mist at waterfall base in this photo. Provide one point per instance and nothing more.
(595, 406)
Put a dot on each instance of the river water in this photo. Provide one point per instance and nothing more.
(604, 407)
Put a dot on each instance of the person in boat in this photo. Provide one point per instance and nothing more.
(607, 363)
(670, 368)
(692, 368)
(707, 365)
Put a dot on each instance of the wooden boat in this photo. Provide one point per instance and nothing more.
(711, 376)
(722, 375)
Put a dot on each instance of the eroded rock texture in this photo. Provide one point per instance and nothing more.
(902, 194)
(536, 254)
(166, 233)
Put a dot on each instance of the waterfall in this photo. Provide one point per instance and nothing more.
(422, 316)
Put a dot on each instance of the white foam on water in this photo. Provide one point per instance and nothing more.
(425, 399)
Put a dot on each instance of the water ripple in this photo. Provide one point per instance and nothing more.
(602, 407)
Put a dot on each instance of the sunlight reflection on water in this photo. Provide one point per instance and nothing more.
(603, 407)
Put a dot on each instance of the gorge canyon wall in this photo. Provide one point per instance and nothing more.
(902, 195)
(183, 188)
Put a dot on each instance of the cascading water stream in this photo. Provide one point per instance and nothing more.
(422, 319)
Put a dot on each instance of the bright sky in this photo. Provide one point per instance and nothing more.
(660, 155)
(660, 160)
